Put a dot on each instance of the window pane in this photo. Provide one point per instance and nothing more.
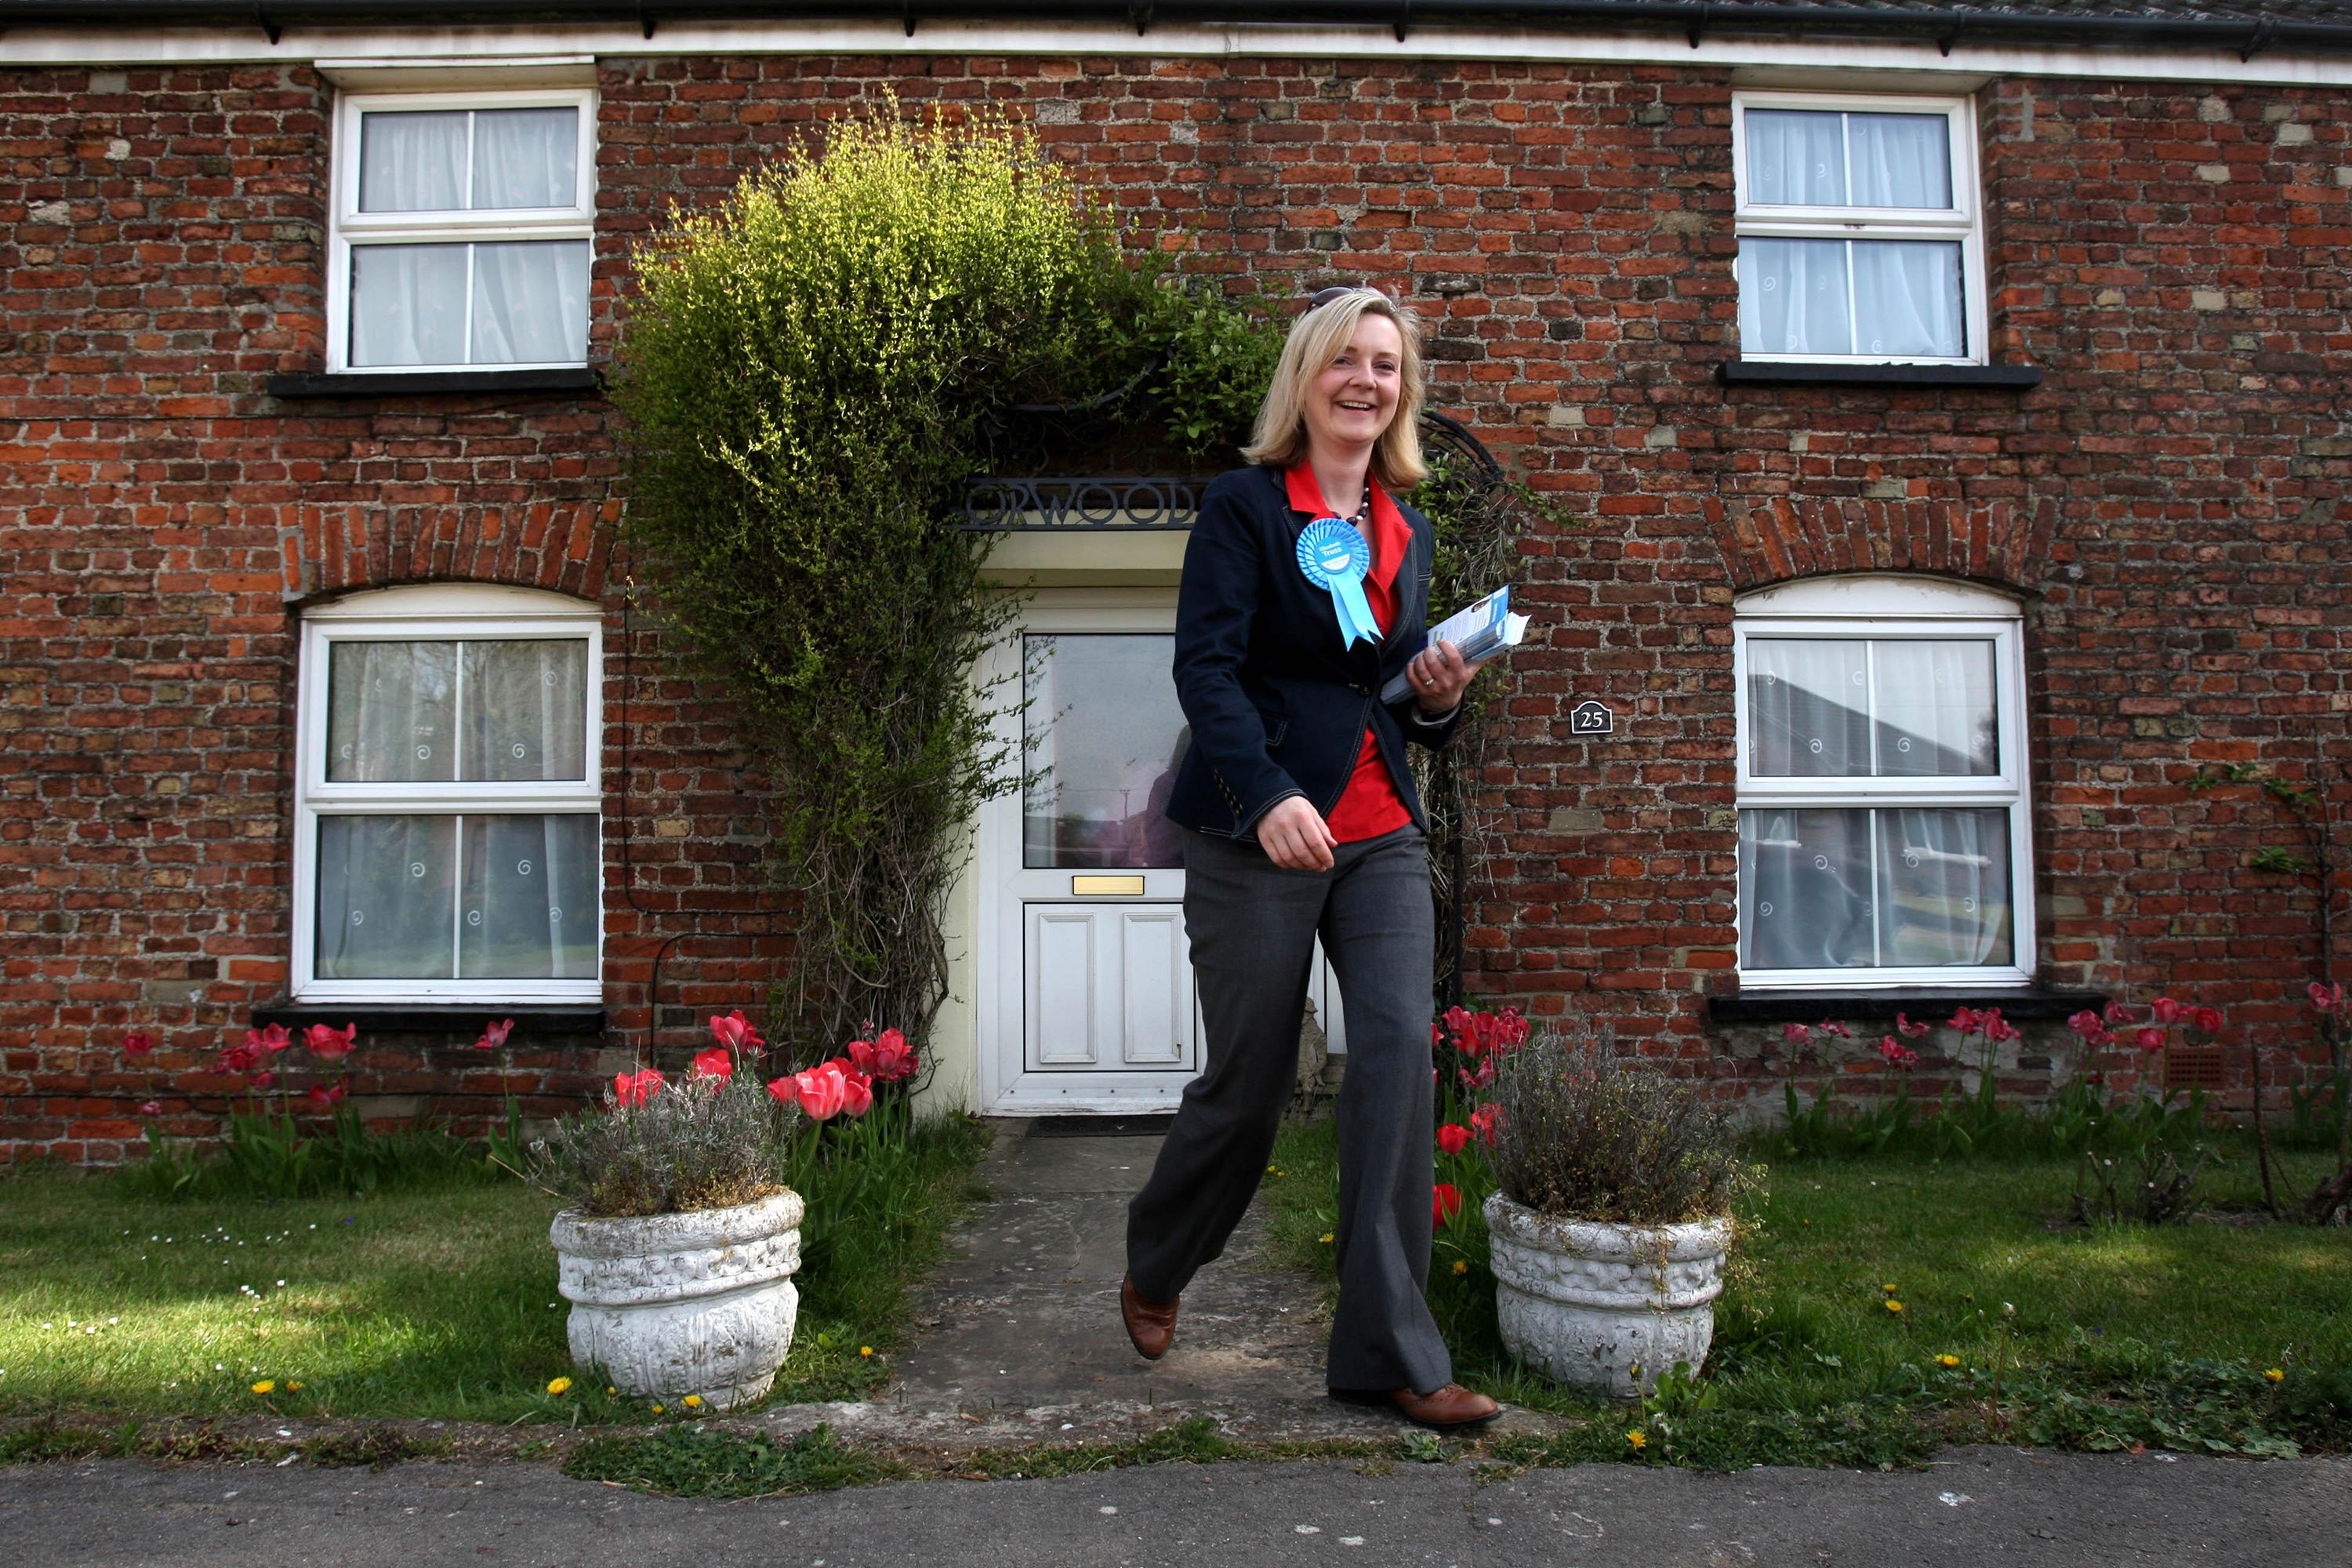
(391, 709)
(525, 157)
(1792, 297)
(385, 887)
(411, 161)
(1936, 713)
(408, 304)
(531, 302)
(1101, 736)
(1899, 160)
(1943, 886)
(529, 907)
(1808, 708)
(1805, 894)
(1907, 298)
(1796, 158)
(526, 710)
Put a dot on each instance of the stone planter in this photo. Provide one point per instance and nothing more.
(675, 1304)
(1588, 1301)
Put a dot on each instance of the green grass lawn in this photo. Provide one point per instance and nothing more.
(436, 1299)
(2113, 1317)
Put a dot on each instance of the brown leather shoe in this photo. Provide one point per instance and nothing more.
(1151, 1324)
(1452, 1408)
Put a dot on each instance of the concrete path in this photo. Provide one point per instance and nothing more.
(1974, 1507)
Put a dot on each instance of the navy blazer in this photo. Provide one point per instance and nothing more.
(1276, 706)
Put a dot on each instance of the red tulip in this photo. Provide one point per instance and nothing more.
(1895, 1053)
(1457, 1019)
(264, 1080)
(1485, 1121)
(632, 1089)
(137, 1044)
(857, 1088)
(274, 1039)
(151, 1107)
(1444, 1202)
(324, 1095)
(1968, 1020)
(330, 1044)
(2116, 1013)
(1996, 1027)
(1909, 1029)
(893, 1059)
(1840, 1030)
(1795, 1034)
(2151, 1039)
(240, 1058)
(494, 1035)
(735, 1032)
(820, 1092)
(2206, 1018)
(715, 1062)
(1436, 1033)
(1512, 1029)
(2326, 998)
(2084, 1023)
(1453, 1138)
(2168, 1011)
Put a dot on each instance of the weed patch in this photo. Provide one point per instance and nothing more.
(691, 1461)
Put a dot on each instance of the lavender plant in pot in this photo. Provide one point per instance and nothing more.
(1612, 1220)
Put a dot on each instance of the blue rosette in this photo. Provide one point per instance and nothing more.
(1335, 557)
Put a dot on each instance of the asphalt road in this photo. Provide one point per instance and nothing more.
(1974, 1507)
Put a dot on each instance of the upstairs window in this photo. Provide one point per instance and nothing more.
(1883, 822)
(447, 843)
(1859, 230)
(462, 224)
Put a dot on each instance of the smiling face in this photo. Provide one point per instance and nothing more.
(1353, 399)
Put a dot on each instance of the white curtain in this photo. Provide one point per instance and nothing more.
(391, 712)
(1805, 895)
(408, 304)
(413, 162)
(1905, 296)
(385, 889)
(531, 302)
(1808, 708)
(530, 898)
(526, 709)
(1934, 708)
(525, 157)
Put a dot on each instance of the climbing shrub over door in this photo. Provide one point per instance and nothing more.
(805, 376)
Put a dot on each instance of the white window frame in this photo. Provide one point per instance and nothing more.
(444, 611)
(1886, 608)
(1963, 221)
(349, 227)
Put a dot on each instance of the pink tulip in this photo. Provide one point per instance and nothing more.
(325, 1095)
(2151, 1039)
(1453, 1138)
(494, 1035)
(2206, 1018)
(632, 1089)
(2168, 1011)
(240, 1058)
(1457, 1019)
(735, 1032)
(2084, 1023)
(138, 1044)
(1795, 1034)
(264, 1080)
(856, 1088)
(274, 1039)
(330, 1044)
(2326, 998)
(714, 1062)
(1840, 1030)
(1909, 1029)
(820, 1092)
(1968, 1020)
(1996, 1027)
(151, 1107)
(1895, 1053)
(893, 1059)
(2116, 1013)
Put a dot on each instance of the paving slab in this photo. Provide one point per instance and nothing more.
(1973, 1507)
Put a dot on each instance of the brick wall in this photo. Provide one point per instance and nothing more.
(2169, 500)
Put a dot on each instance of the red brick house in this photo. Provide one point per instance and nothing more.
(1949, 402)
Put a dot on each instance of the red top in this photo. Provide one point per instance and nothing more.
(1370, 805)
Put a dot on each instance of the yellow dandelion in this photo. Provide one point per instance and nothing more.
(610, 1390)
(1892, 1305)
(657, 1409)
(865, 1350)
(1889, 1288)
(265, 1386)
(2275, 1375)
(1948, 1362)
(293, 1388)
(559, 1385)
(1274, 1170)
(1638, 1438)
(1329, 1238)
(692, 1402)
(1460, 1267)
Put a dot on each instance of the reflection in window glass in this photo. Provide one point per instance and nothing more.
(391, 712)
(1101, 736)
(1852, 889)
(526, 709)
(1881, 707)
(529, 899)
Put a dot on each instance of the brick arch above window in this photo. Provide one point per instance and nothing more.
(554, 546)
(1780, 537)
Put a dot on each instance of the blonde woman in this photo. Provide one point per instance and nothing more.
(1306, 590)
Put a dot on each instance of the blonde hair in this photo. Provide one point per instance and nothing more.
(1314, 341)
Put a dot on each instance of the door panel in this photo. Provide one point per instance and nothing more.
(1156, 986)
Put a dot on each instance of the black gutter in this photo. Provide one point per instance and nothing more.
(1692, 18)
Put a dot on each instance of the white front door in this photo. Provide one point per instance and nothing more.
(1086, 981)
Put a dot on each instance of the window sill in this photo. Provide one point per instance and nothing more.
(2017, 1003)
(404, 384)
(436, 1017)
(1826, 372)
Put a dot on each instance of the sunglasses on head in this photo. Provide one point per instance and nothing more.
(1322, 297)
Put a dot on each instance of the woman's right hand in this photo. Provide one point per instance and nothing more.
(1294, 835)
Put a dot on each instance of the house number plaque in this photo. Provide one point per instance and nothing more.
(1591, 718)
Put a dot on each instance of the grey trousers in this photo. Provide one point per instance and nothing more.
(1252, 925)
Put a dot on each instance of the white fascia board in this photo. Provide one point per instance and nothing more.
(1918, 60)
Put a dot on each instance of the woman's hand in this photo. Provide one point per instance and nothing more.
(1439, 675)
(1294, 835)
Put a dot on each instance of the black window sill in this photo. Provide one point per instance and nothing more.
(409, 383)
(1925, 1004)
(1820, 372)
(466, 1018)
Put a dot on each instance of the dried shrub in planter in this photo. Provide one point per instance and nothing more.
(656, 1147)
(1585, 1133)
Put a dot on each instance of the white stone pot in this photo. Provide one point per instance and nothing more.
(1589, 1302)
(675, 1304)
